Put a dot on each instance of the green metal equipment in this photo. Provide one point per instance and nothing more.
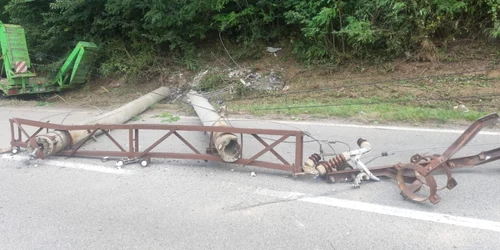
(17, 77)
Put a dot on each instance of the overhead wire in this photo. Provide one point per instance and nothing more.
(306, 133)
(70, 112)
(393, 152)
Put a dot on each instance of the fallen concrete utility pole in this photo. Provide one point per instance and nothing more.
(56, 141)
(226, 144)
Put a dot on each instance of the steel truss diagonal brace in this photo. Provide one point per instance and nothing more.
(133, 151)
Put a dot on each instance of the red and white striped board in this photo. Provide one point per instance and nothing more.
(21, 67)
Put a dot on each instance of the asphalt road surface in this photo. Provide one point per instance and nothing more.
(81, 203)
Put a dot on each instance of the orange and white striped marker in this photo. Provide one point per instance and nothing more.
(21, 67)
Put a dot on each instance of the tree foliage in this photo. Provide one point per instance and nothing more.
(318, 30)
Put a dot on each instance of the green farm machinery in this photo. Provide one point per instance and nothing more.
(17, 75)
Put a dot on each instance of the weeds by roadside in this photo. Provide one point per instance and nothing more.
(167, 117)
(43, 104)
(442, 99)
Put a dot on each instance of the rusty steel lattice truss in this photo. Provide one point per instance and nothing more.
(411, 177)
(163, 131)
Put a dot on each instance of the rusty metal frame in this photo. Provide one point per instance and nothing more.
(412, 176)
(133, 151)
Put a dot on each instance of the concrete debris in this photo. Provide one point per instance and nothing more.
(461, 108)
(197, 79)
(258, 81)
(178, 79)
(176, 93)
(274, 81)
(269, 82)
(238, 73)
(253, 77)
(223, 111)
(245, 83)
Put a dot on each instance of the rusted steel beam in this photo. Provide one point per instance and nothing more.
(155, 144)
(114, 141)
(474, 160)
(164, 131)
(186, 143)
(442, 162)
(412, 176)
(54, 126)
(271, 149)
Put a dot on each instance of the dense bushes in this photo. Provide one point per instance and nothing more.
(317, 30)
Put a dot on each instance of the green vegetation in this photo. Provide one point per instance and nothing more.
(212, 82)
(408, 101)
(167, 117)
(135, 118)
(142, 39)
(43, 104)
(139, 37)
(367, 110)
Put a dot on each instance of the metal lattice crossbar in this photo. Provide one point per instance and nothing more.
(163, 131)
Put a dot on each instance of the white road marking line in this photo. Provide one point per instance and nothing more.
(386, 210)
(452, 131)
(63, 111)
(341, 125)
(73, 165)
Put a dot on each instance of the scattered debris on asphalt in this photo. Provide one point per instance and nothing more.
(225, 146)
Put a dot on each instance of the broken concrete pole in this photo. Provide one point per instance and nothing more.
(122, 114)
(131, 109)
(56, 141)
(226, 144)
